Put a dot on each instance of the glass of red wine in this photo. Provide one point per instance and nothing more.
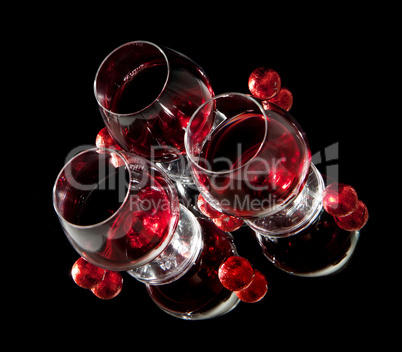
(146, 95)
(121, 212)
(246, 161)
(253, 162)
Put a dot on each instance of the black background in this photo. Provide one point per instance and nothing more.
(341, 60)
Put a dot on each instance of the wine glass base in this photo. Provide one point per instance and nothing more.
(180, 254)
(299, 214)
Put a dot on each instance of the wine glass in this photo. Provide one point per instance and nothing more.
(121, 212)
(146, 95)
(199, 294)
(253, 161)
(246, 161)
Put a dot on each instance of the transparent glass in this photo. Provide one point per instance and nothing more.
(303, 239)
(146, 95)
(246, 161)
(121, 212)
(198, 294)
(320, 249)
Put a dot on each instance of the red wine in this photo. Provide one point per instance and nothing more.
(141, 224)
(161, 108)
(139, 89)
(259, 171)
(321, 248)
(199, 290)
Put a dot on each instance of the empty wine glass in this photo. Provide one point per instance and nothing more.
(121, 212)
(146, 95)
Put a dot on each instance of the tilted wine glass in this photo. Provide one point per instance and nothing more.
(121, 212)
(253, 162)
(147, 95)
(246, 161)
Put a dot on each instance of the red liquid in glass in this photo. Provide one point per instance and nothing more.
(157, 130)
(141, 225)
(270, 168)
(199, 290)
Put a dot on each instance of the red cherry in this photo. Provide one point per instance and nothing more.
(283, 99)
(354, 221)
(339, 199)
(256, 290)
(110, 286)
(264, 83)
(85, 274)
(206, 209)
(228, 223)
(105, 140)
(235, 273)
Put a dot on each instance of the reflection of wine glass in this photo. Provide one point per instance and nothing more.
(147, 95)
(121, 212)
(199, 294)
(246, 161)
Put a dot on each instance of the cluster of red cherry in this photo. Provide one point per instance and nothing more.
(341, 201)
(265, 84)
(105, 284)
(236, 274)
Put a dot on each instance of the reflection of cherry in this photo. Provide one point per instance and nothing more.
(110, 286)
(354, 221)
(235, 273)
(85, 274)
(255, 291)
(339, 199)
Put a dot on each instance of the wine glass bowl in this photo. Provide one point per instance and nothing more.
(246, 161)
(118, 211)
(146, 95)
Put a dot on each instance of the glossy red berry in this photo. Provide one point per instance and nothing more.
(86, 275)
(110, 286)
(206, 209)
(283, 99)
(339, 199)
(256, 290)
(354, 221)
(105, 140)
(228, 223)
(264, 83)
(235, 273)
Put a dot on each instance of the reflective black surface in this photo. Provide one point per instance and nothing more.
(341, 62)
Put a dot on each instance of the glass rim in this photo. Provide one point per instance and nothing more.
(100, 223)
(187, 137)
(108, 57)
